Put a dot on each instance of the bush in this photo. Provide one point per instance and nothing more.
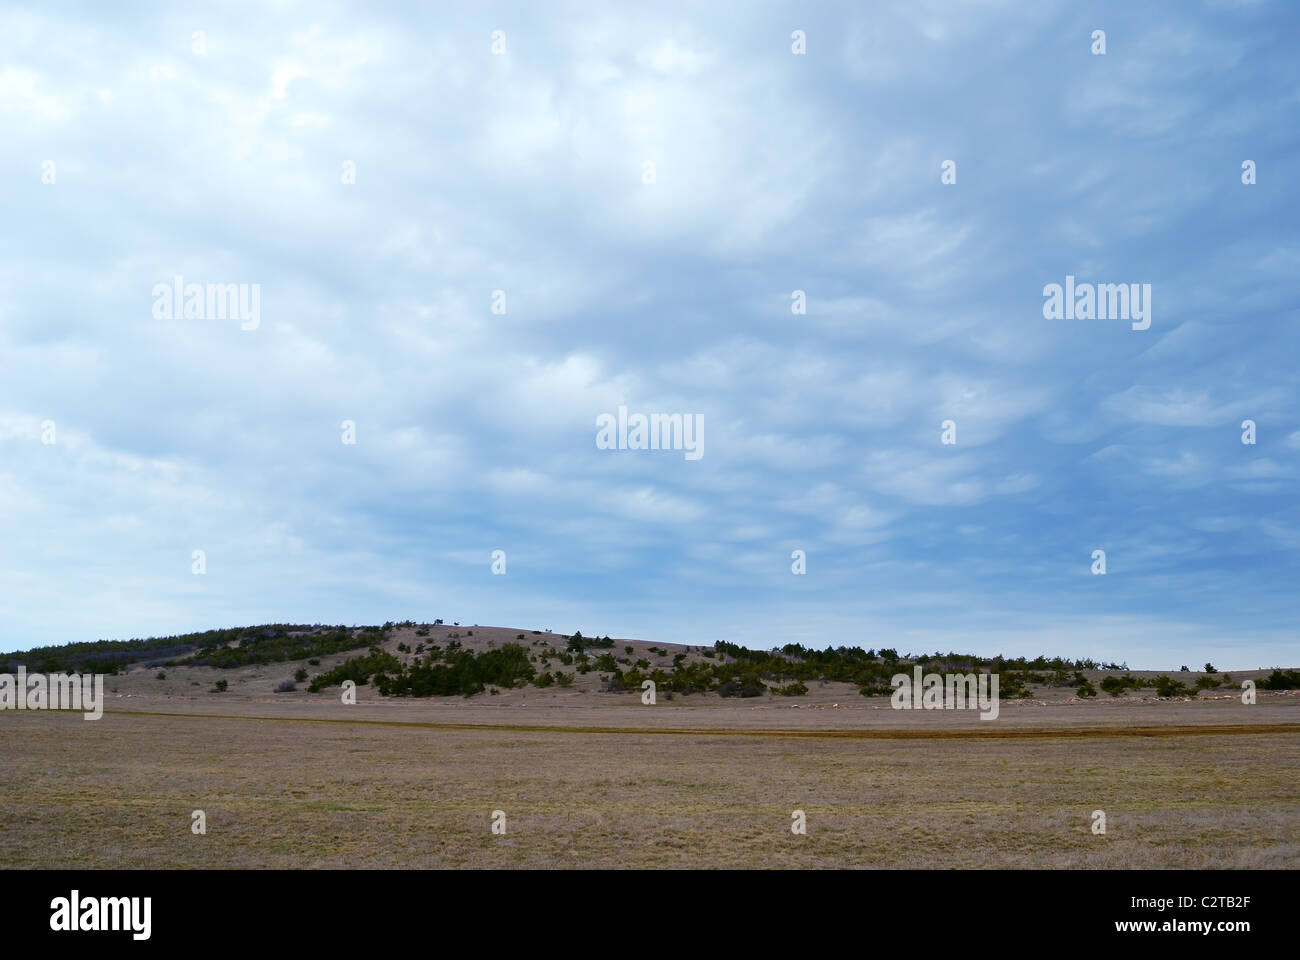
(300, 675)
(1087, 689)
(544, 679)
(286, 686)
(563, 679)
(876, 690)
(1281, 680)
(220, 687)
(796, 689)
(1209, 668)
(161, 676)
(357, 669)
(1113, 685)
(1167, 686)
(314, 661)
(734, 688)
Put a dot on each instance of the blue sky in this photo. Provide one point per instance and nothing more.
(523, 171)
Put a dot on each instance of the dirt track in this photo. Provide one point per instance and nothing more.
(992, 733)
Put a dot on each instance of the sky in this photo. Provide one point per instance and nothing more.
(472, 230)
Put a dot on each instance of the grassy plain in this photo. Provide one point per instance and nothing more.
(592, 779)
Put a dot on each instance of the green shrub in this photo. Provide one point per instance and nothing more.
(1281, 680)
(1167, 686)
(357, 669)
(1113, 685)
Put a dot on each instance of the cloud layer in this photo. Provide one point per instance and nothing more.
(524, 172)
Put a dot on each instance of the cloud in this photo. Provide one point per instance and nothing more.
(524, 173)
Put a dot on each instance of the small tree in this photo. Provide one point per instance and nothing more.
(1167, 686)
(1113, 685)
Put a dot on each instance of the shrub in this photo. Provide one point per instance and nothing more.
(733, 688)
(1167, 686)
(357, 669)
(796, 689)
(314, 661)
(544, 679)
(286, 686)
(563, 679)
(161, 676)
(876, 690)
(1206, 683)
(1281, 680)
(220, 687)
(1113, 685)
(300, 675)
(1087, 689)
(1209, 668)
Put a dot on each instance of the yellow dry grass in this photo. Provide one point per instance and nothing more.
(393, 789)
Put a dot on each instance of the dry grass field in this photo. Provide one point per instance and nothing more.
(590, 779)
